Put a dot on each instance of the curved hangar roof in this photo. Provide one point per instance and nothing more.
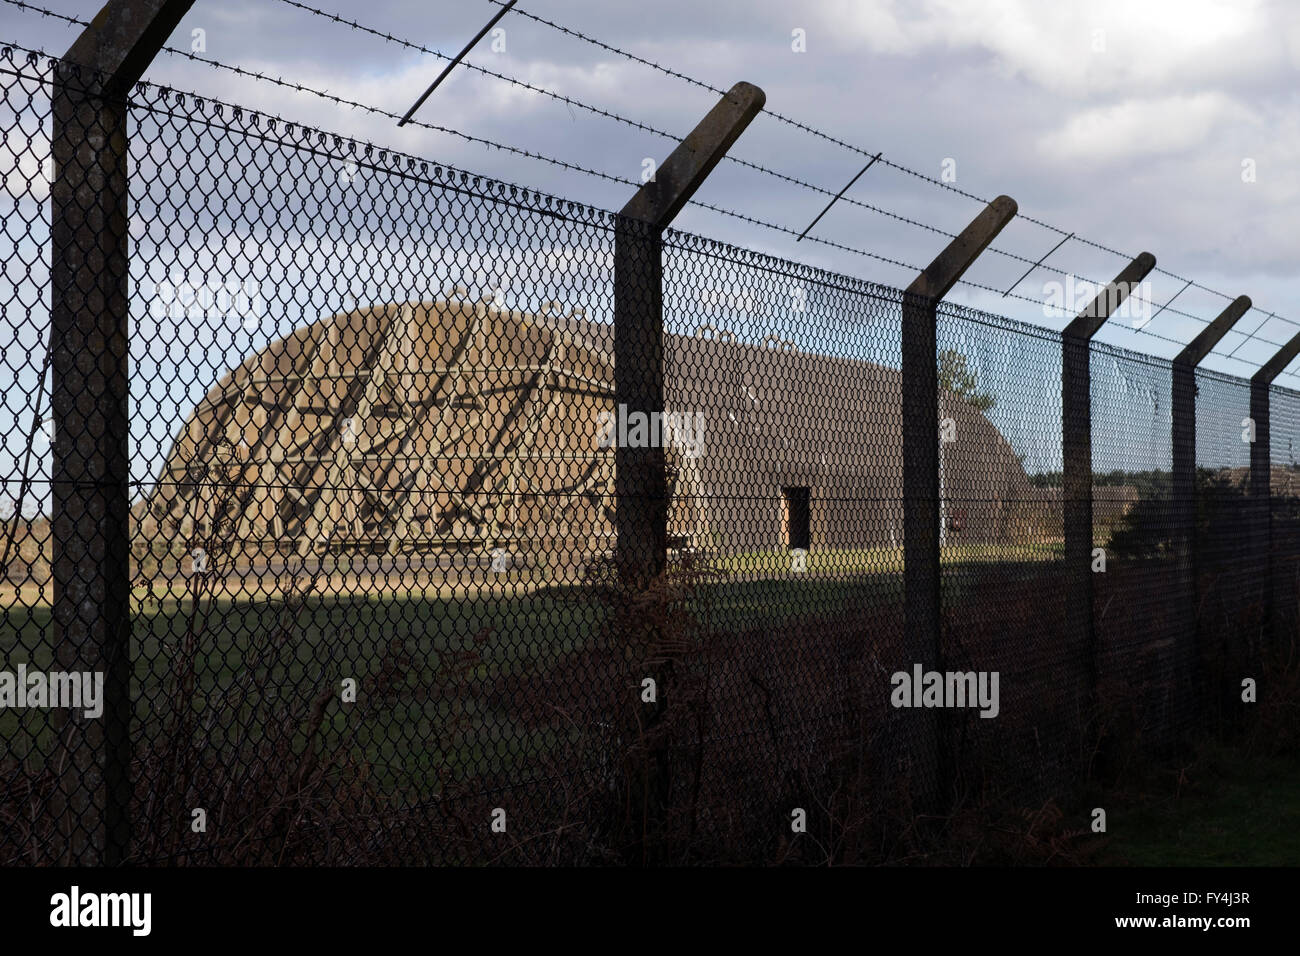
(457, 423)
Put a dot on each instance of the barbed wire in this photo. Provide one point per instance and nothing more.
(572, 166)
(302, 88)
(45, 13)
(609, 177)
(343, 101)
(761, 168)
(743, 217)
(627, 121)
(861, 151)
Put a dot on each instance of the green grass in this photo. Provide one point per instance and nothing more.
(346, 635)
(1237, 811)
(337, 637)
(1234, 811)
(777, 561)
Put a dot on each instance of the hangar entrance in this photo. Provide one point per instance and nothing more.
(795, 504)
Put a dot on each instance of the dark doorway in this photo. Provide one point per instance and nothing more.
(797, 521)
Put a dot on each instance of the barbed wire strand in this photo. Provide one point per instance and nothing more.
(608, 177)
(569, 101)
(861, 151)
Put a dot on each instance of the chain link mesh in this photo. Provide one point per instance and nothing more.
(379, 605)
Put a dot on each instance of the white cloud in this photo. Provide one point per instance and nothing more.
(1054, 45)
(1134, 128)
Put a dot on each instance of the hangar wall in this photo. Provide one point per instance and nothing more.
(458, 424)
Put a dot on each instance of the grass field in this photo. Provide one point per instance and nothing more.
(497, 633)
(1234, 810)
(336, 637)
(887, 560)
(469, 653)
(494, 634)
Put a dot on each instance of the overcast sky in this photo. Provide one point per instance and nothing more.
(1161, 126)
(1168, 127)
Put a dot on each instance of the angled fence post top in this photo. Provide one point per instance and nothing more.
(939, 276)
(641, 474)
(659, 201)
(1196, 350)
(1087, 323)
(123, 39)
(1278, 363)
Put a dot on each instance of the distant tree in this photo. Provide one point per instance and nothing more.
(955, 377)
(1147, 528)
(1147, 484)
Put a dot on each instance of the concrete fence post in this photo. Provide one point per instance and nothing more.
(1076, 449)
(931, 761)
(640, 478)
(89, 255)
(1261, 477)
(1183, 483)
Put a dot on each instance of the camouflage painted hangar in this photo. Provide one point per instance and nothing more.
(459, 425)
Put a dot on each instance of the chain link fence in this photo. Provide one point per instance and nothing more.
(378, 607)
